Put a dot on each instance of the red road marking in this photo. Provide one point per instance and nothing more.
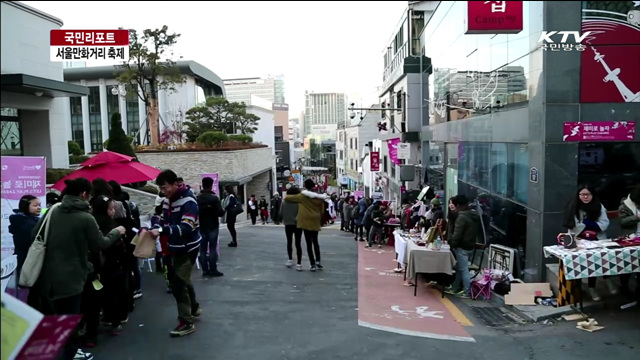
(385, 304)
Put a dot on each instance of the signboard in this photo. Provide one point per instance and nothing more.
(21, 175)
(280, 107)
(533, 175)
(94, 45)
(599, 131)
(494, 17)
(375, 161)
(404, 151)
(358, 194)
(216, 182)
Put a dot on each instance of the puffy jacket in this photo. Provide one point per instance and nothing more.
(466, 231)
(180, 221)
(20, 226)
(628, 214)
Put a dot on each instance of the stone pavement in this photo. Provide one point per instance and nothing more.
(261, 310)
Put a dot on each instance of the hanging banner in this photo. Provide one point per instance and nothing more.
(214, 176)
(375, 161)
(21, 175)
(392, 145)
(494, 17)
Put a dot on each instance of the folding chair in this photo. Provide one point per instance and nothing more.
(482, 286)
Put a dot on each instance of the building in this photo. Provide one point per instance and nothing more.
(497, 122)
(270, 88)
(34, 94)
(90, 115)
(401, 96)
(324, 109)
(281, 121)
(294, 130)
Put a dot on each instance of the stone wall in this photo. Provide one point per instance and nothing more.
(230, 165)
(144, 200)
(258, 187)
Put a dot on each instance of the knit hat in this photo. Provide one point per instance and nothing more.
(435, 202)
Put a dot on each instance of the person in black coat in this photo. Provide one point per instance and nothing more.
(21, 223)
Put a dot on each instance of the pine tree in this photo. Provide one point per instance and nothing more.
(118, 141)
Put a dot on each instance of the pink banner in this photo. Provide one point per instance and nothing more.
(392, 144)
(599, 131)
(375, 161)
(49, 337)
(214, 176)
(22, 175)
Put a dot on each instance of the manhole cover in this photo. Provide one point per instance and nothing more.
(497, 316)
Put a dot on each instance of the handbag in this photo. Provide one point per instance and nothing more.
(32, 266)
(237, 209)
(567, 240)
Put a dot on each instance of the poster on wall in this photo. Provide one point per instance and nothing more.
(214, 176)
(21, 175)
(609, 70)
(599, 131)
(392, 145)
(375, 161)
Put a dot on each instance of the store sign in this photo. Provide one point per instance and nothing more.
(404, 151)
(375, 161)
(494, 17)
(599, 131)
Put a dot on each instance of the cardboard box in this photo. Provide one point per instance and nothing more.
(525, 294)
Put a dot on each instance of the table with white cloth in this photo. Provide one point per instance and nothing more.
(422, 260)
(400, 244)
(590, 259)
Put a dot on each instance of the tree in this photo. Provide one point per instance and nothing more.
(118, 141)
(218, 114)
(150, 65)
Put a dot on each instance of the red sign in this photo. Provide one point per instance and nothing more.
(49, 337)
(375, 161)
(494, 17)
(89, 38)
(609, 64)
(599, 131)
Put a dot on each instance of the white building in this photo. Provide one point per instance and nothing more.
(34, 93)
(266, 131)
(270, 88)
(90, 115)
(324, 109)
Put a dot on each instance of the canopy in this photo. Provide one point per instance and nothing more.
(106, 157)
(121, 172)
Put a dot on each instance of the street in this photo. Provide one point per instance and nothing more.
(262, 310)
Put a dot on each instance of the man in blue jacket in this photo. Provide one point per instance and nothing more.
(180, 221)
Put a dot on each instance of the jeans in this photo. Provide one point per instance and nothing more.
(182, 288)
(290, 231)
(254, 215)
(90, 305)
(311, 238)
(209, 258)
(231, 225)
(462, 271)
(115, 297)
(375, 230)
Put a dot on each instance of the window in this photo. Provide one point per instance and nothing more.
(612, 168)
(133, 114)
(11, 135)
(113, 104)
(95, 119)
(77, 132)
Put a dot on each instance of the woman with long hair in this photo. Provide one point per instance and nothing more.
(229, 204)
(289, 214)
(586, 218)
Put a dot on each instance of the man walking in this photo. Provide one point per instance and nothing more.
(210, 213)
(179, 220)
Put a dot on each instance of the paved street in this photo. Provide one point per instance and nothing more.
(262, 310)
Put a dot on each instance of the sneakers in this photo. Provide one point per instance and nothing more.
(115, 331)
(137, 294)
(463, 295)
(318, 266)
(81, 355)
(449, 290)
(183, 329)
(613, 290)
(298, 267)
(197, 313)
(289, 263)
(212, 274)
(232, 244)
(594, 294)
(313, 268)
(126, 320)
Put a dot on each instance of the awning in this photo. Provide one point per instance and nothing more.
(33, 85)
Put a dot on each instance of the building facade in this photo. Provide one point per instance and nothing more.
(324, 109)
(270, 88)
(498, 107)
(34, 94)
(89, 116)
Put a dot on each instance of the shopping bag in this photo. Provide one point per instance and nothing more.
(35, 257)
(146, 247)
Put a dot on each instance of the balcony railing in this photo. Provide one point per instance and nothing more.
(396, 62)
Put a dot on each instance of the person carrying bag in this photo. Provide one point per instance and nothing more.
(35, 257)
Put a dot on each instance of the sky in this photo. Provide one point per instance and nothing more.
(320, 46)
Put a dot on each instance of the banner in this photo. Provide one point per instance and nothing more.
(21, 175)
(392, 144)
(216, 187)
(375, 161)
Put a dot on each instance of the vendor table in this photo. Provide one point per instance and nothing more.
(421, 260)
(588, 261)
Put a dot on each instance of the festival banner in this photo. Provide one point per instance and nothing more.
(392, 144)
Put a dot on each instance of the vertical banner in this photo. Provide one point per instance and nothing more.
(21, 175)
(214, 176)
(392, 144)
(375, 161)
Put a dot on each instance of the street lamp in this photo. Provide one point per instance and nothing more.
(119, 90)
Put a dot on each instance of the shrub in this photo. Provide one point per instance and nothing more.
(129, 140)
(212, 138)
(77, 159)
(118, 141)
(241, 138)
(53, 175)
(74, 148)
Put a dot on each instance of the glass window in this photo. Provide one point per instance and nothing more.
(435, 167)
(95, 119)
(519, 156)
(77, 132)
(133, 114)
(612, 168)
(11, 135)
(113, 105)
